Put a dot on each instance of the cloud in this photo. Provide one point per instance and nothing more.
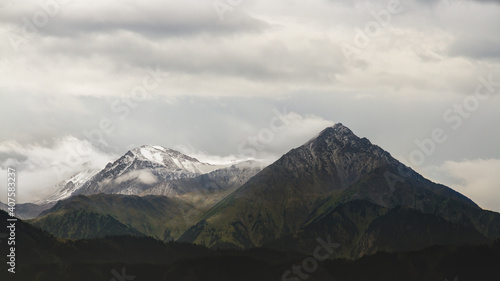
(205, 157)
(478, 179)
(155, 19)
(41, 166)
(222, 78)
(103, 49)
(477, 48)
(142, 176)
(284, 131)
(209, 129)
(480, 1)
(265, 139)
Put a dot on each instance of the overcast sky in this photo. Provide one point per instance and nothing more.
(84, 81)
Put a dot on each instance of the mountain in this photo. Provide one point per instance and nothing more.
(62, 190)
(99, 215)
(337, 193)
(28, 210)
(141, 168)
(204, 191)
(219, 180)
(162, 217)
(338, 183)
(178, 205)
(41, 256)
(155, 170)
(67, 187)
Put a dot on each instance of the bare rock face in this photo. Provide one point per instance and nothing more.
(337, 157)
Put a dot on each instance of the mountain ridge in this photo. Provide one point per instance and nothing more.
(282, 199)
(142, 171)
(306, 193)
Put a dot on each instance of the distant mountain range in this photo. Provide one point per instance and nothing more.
(150, 170)
(155, 170)
(336, 185)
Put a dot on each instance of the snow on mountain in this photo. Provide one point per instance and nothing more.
(155, 170)
(142, 168)
(166, 157)
(227, 178)
(67, 187)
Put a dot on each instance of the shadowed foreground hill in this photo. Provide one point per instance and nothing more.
(40, 257)
(100, 215)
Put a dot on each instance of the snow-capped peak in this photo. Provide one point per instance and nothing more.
(140, 169)
(170, 158)
(65, 188)
(152, 155)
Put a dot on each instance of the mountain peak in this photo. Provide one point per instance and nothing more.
(338, 125)
(340, 136)
(154, 148)
(161, 155)
(338, 129)
(143, 167)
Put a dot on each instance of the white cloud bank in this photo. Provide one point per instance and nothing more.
(39, 167)
(478, 179)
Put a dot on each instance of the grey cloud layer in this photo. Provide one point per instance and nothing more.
(154, 19)
(222, 78)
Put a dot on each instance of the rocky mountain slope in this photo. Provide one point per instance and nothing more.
(306, 188)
